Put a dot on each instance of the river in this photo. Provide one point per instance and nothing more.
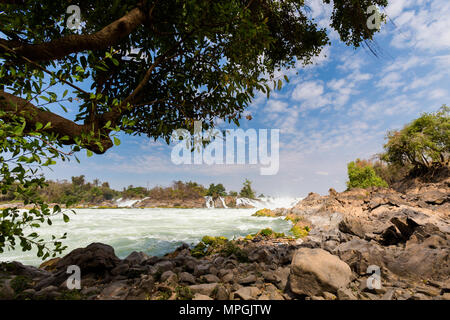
(153, 231)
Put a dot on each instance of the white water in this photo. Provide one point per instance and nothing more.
(121, 203)
(209, 202)
(268, 202)
(153, 231)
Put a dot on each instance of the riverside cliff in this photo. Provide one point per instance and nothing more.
(404, 232)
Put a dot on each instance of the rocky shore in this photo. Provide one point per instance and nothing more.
(346, 237)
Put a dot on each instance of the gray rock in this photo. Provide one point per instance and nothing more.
(270, 277)
(187, 278)
(222, 293)
(96, 258)
(136, 258)
(204, 288)
(164, 266)
(168, 276)
(314, 271)
(210, 278)
(120, 269)
(247, 293)
(199, 296)
(229, 277)
(248, 279)
(115, 290)
(282, 274)
(201, 269)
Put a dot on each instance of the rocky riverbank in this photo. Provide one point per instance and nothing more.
(348, 236)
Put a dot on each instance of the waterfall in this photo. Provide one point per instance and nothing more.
(209, 202)
(223, 202)
(269, 202)
(121, 203)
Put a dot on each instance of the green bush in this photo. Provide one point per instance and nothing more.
(361, 174)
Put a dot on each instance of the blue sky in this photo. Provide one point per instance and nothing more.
(329, 114)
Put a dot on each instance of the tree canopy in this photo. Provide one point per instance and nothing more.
(247, 191)
(216, 191)
(154, 66)
(422, 143)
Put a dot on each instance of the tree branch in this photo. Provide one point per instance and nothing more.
(59, 48)
(59, 125)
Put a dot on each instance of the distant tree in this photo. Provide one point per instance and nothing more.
(361, 174)
(96, 182)
(247, 191)
(422, 144)
(216, 190)
(233, 193)
(261, 195)
(78, 181)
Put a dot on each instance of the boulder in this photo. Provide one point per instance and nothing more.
(136, 258)
(187, 277)
(95, 258)
(314, 271)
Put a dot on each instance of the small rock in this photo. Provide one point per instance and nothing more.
(164, 266)
(229, 277)
(247, 293)
(201, 269)
(187, 278)
(328, 295)
(222, 293)
(199, 296)
(346, 294)
(168, 275)
(136, 258)
(248, 280)
(389, 295)
(115, 290)
(210, 278)
(120, 269)
(204, 288)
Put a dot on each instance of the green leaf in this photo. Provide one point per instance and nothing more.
(116, 141)
(89, 153)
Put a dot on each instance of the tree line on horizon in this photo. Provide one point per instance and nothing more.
(78, 190)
